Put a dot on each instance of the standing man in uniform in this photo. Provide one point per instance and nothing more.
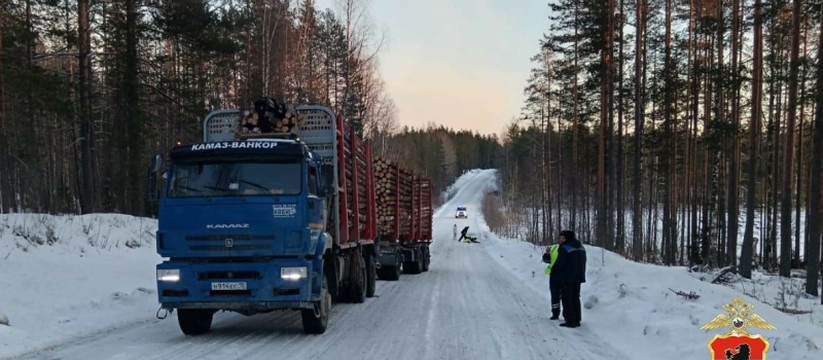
(570, 268)
(454, 232)
(550, 257)
(463, 233)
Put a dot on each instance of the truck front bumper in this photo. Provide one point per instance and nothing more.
(264, 288)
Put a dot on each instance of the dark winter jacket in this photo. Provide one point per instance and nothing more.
(570, 267)
(465, 230)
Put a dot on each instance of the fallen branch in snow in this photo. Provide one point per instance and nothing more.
(793, 311)
(723, 272)
(691, 295)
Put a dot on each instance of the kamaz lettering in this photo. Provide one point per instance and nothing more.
(235, 145)
(227, 226)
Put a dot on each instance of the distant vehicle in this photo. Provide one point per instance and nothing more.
(461, 213)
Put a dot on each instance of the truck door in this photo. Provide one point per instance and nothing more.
(316, 204)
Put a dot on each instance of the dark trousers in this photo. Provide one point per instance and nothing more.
(570, 296)
(555, 291)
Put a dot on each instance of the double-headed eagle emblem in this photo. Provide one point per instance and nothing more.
(738, 319)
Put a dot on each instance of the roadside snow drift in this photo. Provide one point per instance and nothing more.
(70, 276)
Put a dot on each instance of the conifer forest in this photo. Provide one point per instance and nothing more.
(676, 132)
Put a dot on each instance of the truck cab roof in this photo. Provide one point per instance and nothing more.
(240, 148)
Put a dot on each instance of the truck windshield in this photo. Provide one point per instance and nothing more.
(235, 179)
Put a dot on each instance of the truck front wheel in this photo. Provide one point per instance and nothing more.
(195, 321)
(316, 320)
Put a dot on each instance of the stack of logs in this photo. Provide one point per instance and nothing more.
(355, 162)
(268, 116)
(386, 173)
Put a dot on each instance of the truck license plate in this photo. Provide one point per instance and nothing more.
(217, 286)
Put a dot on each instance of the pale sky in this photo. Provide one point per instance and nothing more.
(460, 63)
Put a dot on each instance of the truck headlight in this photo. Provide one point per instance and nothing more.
(168, 275)
(293, 273)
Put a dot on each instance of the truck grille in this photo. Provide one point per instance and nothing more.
(215, 275)
(235, 237)
(224, 248)
(229, 293)
(286, 291)
(175, 293)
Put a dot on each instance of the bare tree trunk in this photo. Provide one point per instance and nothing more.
(800, 143)
(135, 135)
(639, 103)
(602, 187)
(621, 217)
(667, 129)
(813, 258)
(788, 154)
(610, 148)
(720, 109)
(708, 189)
(734, 153)
(5, 188)
(575, 145)
(695, 94)
(754, 142)
(87, 200)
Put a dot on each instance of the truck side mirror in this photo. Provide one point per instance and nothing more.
(156, 163)
(327, 174)
(154, 167)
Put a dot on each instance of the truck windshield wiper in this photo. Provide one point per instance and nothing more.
(225, 190)
(261, 187)
(215, 188)
(189, 188)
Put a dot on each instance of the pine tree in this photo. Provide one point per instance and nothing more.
(788, 163)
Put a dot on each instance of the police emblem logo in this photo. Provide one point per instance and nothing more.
(738, 344)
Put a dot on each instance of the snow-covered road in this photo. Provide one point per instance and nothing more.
(468, 306)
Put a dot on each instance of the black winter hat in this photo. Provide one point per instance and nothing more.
(568, 234)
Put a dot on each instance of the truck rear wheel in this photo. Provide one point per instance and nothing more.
(358, 284)
(371, 276)
(316, 320)
(414, 267)
(390, 272)
(411, 267)
(195, 321)
(426, 259)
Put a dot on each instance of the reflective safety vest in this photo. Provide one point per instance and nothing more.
(553, 253)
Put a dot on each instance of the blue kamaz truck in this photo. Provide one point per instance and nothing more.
(254, 223)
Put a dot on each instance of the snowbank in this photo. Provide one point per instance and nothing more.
(631, 306)
(69, 276)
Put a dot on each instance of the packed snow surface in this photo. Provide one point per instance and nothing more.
(67, 276)
(81, 299)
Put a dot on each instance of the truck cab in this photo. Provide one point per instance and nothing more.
(251, 225)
